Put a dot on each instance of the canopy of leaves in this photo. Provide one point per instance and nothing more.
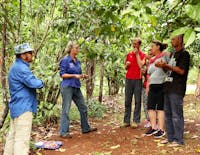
(103, 28)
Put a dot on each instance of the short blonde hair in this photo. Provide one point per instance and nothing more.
(70, 45)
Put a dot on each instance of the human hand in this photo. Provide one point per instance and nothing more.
(85, 76)
(143, 70)
(160, 64)
(136, 51)
(128, 63)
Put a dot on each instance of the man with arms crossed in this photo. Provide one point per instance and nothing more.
(175, 88)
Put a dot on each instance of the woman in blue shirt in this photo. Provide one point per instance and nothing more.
(71, 73)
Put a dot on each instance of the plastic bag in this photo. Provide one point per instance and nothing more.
(52, 145)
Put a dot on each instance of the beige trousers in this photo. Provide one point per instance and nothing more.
(17, 141)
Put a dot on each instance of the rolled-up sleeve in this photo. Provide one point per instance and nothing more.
(63, 66)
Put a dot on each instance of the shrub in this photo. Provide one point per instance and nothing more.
(95, 108)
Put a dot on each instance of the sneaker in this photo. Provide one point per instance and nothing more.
(134, 125)
(147, 124)
(90, 130)
(67, 135)
(125, 125)
(174, 144)
(151, 132)
(159, 134)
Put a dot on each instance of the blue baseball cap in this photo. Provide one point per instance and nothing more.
(23, 48)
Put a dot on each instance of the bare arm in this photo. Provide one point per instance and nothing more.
(166, 66)
(139, 61)
(175, 69)
(147, 85)
(77, 76)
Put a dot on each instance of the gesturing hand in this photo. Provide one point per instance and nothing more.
(85, 76)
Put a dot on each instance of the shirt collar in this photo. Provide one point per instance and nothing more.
(20, 60)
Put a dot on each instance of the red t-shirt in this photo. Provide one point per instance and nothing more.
(133, 70)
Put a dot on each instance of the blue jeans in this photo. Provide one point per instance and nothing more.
(174, 120)
(133, 87)
(69, 94)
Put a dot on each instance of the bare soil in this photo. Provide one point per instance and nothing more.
(110, 139)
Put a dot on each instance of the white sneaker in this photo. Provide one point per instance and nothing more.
(147, 124)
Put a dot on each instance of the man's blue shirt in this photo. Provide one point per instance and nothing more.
(68, 66)
(22, 86)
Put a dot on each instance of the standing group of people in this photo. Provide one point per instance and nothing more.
(165, 89)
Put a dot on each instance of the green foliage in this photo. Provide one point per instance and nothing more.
(74, 113)
(193, 72)
(194, 53)
(115, 68)
(95, 109)
(103, 29)
(47, 113)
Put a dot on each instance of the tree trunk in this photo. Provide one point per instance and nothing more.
(113, 85)
(19, 22)
(3, 72)
(101, 81)
(90, 71)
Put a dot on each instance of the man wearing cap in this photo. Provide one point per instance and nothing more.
(23, 102)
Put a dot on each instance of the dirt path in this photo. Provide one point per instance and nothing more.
(112, 140)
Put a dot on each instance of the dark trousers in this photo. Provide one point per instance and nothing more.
(133, 87)
(174, 119)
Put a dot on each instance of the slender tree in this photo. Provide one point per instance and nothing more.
(3, 68)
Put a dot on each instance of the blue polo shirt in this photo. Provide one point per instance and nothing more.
(68, 66)
(22, 87)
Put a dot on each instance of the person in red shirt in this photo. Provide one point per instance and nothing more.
(133, 85)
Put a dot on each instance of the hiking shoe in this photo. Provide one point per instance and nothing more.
(125, 125)
(90, 130)
(147, 124)
(151, 132)
(67, 135)
(159, 134)
(134, 125)
(174, 144)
